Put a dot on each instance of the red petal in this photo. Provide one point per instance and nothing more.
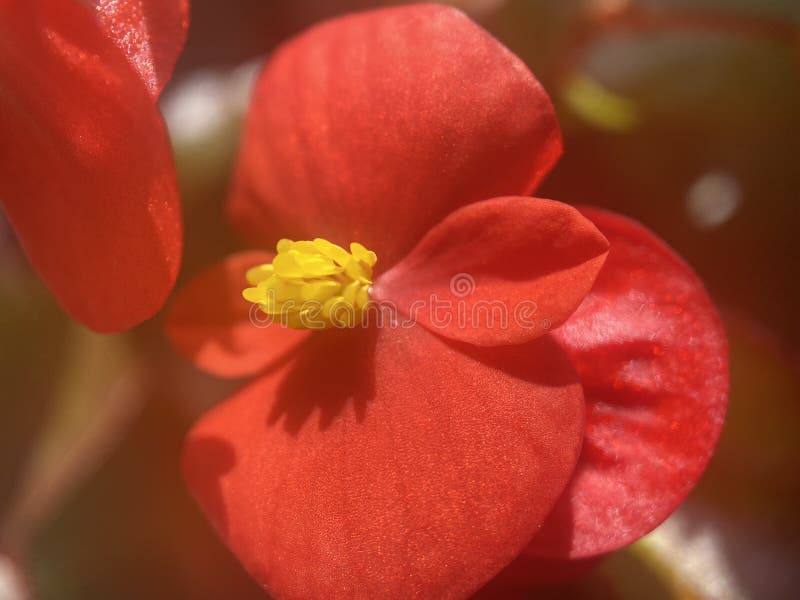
(652, 356)
(150, 33)
(374, 126)
(502, 271)
(86, 171)
(388, 463)
(210, 323)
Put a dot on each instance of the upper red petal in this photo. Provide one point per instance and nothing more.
(150, 33)
(219, 331)
(86, 171)
(501, 271)
(388, 463)
(374, 126)
(652, 357)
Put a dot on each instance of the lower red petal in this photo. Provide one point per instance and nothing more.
(652, 357)
(388, 463)
(86, 171)
(219, 331)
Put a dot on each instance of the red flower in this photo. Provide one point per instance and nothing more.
(86, 171)
(420, 461)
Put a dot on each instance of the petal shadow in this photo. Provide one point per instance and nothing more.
(336, 368)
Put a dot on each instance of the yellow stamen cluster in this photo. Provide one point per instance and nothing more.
(313, 284)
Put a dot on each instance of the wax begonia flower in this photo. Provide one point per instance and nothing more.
(387, 161)
(86, 171)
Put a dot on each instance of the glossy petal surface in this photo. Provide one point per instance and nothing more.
(150, 33)
(652, 357)
(502, 271)
(214, 327)
(388, 463)
(86, 171)
(374, 126)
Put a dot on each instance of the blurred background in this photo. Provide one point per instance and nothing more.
(681, 114)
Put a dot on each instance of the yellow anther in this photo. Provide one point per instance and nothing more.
(361, 253)
(258, 274)
(313, 284)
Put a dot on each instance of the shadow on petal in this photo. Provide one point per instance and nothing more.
(543, 578)
(206, 460)
(521, 361)
(335, 368)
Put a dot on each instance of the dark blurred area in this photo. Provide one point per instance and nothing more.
(681, 114)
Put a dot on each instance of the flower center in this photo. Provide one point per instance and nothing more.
(313, 284)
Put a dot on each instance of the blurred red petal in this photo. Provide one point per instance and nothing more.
(150, 33)
(86, 171)
(373, 127)
(652, 357)
(388, 463)
(210, 323)
(501, 271)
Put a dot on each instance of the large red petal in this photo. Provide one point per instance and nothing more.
(151, 33)
(86, 171)
(219, 331)
(374, 126)
(501, 271)
(652, 356)
(388, 463)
